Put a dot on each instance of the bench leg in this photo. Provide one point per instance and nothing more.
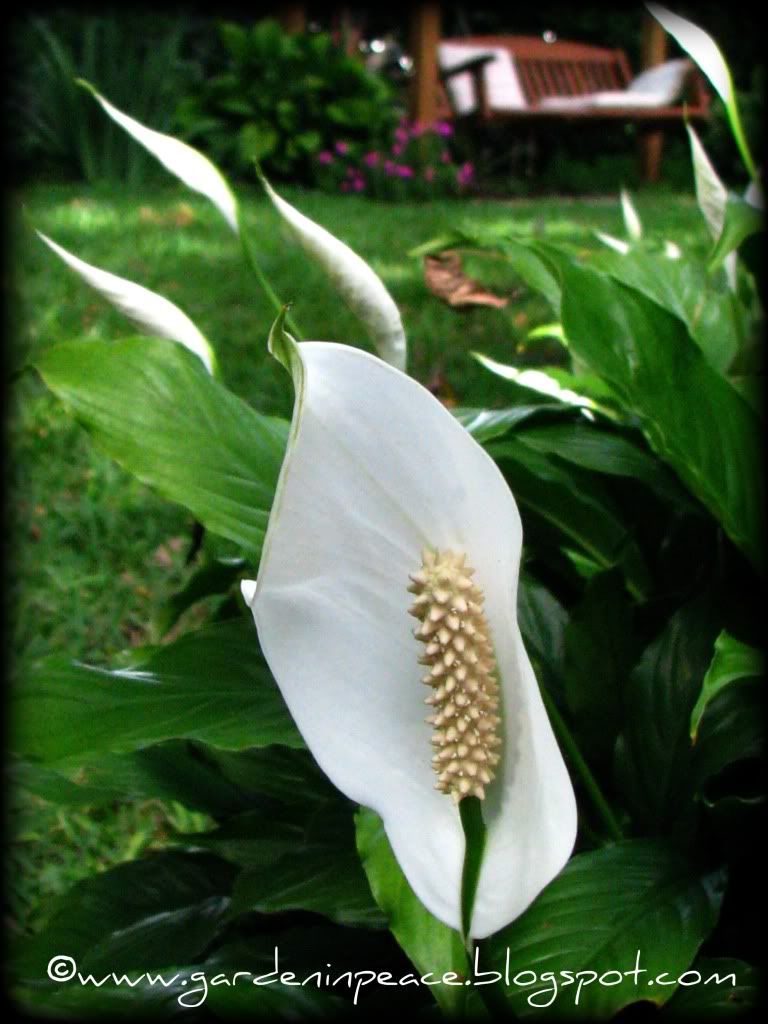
(651, 146)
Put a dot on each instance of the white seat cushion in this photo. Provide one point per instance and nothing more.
(666, 80)
(501, 81)
(566, 102)
(615, 98)
(625, 98)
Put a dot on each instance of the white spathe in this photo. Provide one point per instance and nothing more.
(711, 193)
(712, 198)
(186, 162)
(355, 281)
(617, 244)
(754, 195)
(151, 312)
(631, 217)
(376, 470)
(700, 45)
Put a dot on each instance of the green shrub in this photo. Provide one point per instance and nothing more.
(281, 99)
(136, 60)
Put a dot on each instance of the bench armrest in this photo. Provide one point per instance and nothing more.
(474, 66)
(696, 94)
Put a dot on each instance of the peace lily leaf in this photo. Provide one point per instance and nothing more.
(731, 732)
(134, 998)
(543, 623)
(256, 838)
(649, 360)
(631, 219)
(741, 220)
(605, 906)
(573, 502)
(534, 271)
(537, 380)
(149, 311)
(361, 496)
(729, 988)
(177, 429)
(194, 169)
(684, 288)
(431, 945)
(553, 330)
(732, 660)
(201, 777)
(214, 577)
(133, 915)
(223, 983)
(654, 754)
(354, 280)
(608, 453)
(599, 653)
(486, 424)
(705, 51)
(140, 995)
(321, 873)
(211, 685)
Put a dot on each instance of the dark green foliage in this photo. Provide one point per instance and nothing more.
(630, 904)
(139, 62)
(279, 99)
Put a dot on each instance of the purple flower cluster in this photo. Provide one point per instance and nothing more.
(466, 174)
(417, 165)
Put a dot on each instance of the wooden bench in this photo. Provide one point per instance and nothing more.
(566, 69)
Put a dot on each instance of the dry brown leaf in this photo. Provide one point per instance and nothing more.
(181, 216)
(440, 387)
(445, 278)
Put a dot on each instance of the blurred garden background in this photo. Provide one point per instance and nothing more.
(322, 96)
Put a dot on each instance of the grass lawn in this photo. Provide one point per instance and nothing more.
(95, 553)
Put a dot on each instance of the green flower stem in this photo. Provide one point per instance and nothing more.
(565, 736)
(741, 139)
(261, 277)
(494, 999)
(738, 322)
(474, 845)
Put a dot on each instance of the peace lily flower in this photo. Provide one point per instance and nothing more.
(386, 504)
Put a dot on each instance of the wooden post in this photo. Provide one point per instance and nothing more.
(653, 48)
(293, 17)
(346, 31)
(424, 37)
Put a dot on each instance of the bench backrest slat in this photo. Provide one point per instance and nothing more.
(560, 68)
(563, 68)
